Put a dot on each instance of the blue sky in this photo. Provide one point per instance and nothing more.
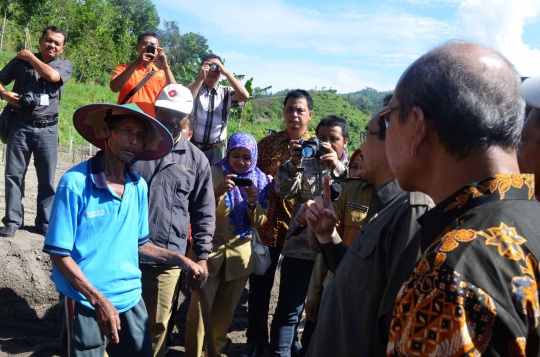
(350, 45)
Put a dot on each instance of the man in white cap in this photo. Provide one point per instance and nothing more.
(529, 148)
(99, 228)
(180, 194)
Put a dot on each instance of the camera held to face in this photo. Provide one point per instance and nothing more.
(312, 148)
(214, 67)
(29, 100)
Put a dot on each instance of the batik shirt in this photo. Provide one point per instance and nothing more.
(475, 289)
(274, 150)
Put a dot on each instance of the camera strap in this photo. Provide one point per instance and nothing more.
(136, 89)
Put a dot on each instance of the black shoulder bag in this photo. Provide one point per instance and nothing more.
(136, 89)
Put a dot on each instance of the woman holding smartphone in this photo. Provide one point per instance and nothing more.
(240, 208)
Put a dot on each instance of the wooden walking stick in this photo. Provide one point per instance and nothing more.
(207, 322)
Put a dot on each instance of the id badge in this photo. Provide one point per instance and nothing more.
(44, 99)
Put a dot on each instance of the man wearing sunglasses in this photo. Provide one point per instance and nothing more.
(348, 320)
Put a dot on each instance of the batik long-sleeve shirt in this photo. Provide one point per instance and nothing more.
(475, 289)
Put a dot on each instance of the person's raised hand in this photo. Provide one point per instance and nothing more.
(320, 215)
(161, 58)
(330, 159)
(224, 186)
(108, 320)
(203, 71)
(252, 193)
(25, 55)
(296, 152)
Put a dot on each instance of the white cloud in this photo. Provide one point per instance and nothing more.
(499, 24)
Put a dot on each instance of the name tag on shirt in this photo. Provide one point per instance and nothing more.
(43, 99)
(358, 207)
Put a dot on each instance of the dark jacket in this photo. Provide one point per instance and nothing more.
(180, 192)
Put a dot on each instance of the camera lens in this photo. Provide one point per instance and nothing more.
(308, 152)
(213, 67)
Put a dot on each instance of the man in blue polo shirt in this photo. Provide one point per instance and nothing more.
(98, 229)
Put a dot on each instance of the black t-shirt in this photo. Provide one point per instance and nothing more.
(27, 79)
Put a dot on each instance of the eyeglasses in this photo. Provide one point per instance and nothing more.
(385, 114)
(364, 135)
(146, 43)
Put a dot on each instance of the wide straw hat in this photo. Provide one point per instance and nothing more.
(530, 91)
(88, 119)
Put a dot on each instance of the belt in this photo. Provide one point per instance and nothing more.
(205, 147)
(42, 123)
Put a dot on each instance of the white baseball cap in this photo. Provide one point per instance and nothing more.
(176, 97)
(530, 91)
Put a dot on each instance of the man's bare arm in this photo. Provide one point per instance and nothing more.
(107, 316)
(163, 256)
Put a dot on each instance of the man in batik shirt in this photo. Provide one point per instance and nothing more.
(453, 134)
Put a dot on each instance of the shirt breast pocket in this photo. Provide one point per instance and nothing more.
(355, 268)
(181, 193)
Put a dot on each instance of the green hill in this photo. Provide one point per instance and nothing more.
(268, 115)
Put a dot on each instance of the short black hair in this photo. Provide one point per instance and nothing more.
(334, 120)
(54, 29)
(299, 93)
(210, 56)
(147, 34)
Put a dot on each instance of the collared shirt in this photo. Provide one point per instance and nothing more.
(304, 183)
(180, 193)
(146, 96)
(475, 289)
(211, 109)
(27, 79)
(350, 304)
(100, 231)
(274, 150)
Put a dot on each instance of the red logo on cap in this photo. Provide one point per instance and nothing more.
(172, 93)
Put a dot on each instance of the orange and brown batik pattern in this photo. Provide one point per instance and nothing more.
(475, 289)
(274, 151)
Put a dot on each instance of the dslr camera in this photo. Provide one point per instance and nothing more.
(214, 67)
(29, 100)
(312, 148)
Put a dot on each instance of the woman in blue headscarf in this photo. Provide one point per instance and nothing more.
(239, 209)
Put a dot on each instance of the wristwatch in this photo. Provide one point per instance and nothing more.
(1, 92)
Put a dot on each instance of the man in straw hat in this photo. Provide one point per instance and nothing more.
(98, 229)
(180, 193)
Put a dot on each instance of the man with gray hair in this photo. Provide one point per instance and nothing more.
(453, 132)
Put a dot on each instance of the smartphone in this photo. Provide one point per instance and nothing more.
(239, 181)
(150, 49)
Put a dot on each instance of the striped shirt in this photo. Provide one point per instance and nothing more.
(211, 110)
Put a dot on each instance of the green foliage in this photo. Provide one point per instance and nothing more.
(368, 100)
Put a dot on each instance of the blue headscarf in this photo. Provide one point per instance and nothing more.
(237, 198)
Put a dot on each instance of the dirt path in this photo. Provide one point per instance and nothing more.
(28, 300)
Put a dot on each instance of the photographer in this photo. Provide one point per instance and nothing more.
(32, 110)
(141, 82)
(301, 179)
(212, 106)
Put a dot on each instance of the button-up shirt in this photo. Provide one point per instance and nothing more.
(211, 109)
(475, 289)
(347, 321)
(274, 150)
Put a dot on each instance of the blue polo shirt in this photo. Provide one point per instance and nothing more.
(100, 231)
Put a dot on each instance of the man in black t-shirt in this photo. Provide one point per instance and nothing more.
(33, 108)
